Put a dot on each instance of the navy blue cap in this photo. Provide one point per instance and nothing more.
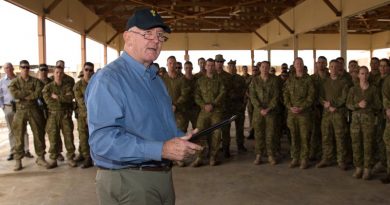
(146, 19)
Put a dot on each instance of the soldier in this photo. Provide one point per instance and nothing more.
(162, 71)
(265, 95)
(353, 69)
(333, 96)
(237, 96)
(202, 70)
(245, 74)
(375, 75)
(255, 72)
(209, 95)
(178, 90)
(226, 79)
(43, 77)
(7, 103)
(364, 102)
(386, 107)
(59, 96)
(318, 78)
(82, 126)
(26, 90)
(298, 97)
(179, 68)
(192, 109)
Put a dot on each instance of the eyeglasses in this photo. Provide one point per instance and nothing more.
(148, 35)
(88, 70)
(25, 67)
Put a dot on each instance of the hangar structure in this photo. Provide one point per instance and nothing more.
(227, 24)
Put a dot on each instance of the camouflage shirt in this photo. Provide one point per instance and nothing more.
(64, 93)
(299, 92)
(178, 89)
(79, 90)
(356, 94)
(210, 91)
(25, 92)
(265, 93)
(336, 92)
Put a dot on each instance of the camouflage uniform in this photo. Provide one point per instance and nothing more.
(82, 125)
(265, 94)
(299, 92)
(179, 91)
(210, 91)
(363, 124)
(192, 110)
(237, 96)
(41, 102)
(60, 118)
(315, 140)
(26, 94)
(386, 105)
(334, 124)
(379, 145)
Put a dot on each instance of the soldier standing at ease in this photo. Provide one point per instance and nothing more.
(82, 126)
(249, 106)
(237, 96)
(209, 95)
(191, 111)
(26, 91)
(265, 93)
(386, 108)
(298, 98)
(226, 79)
(333, 96)
(202, 69)
(59, 96)
(364, 102)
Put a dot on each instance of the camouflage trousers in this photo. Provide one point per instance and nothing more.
(82, 128)
(333, 127)
(315, 139)
(239, 123)
(250, 108)
(181, 121)
(265, 128)
(362, 134)
(205, 120)
(300, 126)
(386, 139)
(19, 127)
(191, 115)
(379, 148)
(60, 121)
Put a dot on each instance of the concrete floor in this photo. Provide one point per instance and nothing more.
(237, 181)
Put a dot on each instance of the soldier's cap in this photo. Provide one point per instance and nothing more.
(219, 57)
(147, 19)
(81, 74)
(43, 67)
(232, 62)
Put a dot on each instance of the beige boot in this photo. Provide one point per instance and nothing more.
(358, 173)
(293, 163)
(213, 161)
(323, 163)
(257, 160)
(367, 174)
(272, 160)
(18, 165)
(72, 163)
(343, 166)
(41, 161)
(197, 162)
(304, 164)
(180, 164)
(52, 164)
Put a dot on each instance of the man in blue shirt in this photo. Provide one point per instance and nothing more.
(133, 134)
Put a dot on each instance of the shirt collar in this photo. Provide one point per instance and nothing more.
(139, 68)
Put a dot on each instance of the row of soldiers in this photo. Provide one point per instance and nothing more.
(47, 105)
(332, 115)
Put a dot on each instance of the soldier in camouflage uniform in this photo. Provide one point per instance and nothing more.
(179, 91)
(298, 97)
(59, 97)
(318, 78)
(226, 79)
(179, 68)
(209, 95)
(265, 93)
(333, 96)
(353, 70)
(43, 77)
(237, 96)
(26, 90)
(386, 108)
(364, 102)
(249, 106)
(202, 70)
(192, 109)
(82, 126)
(375, 75)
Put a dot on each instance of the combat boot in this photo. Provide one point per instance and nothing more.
(87, 163)
(52, 164)
(271, 160)
(323, 163)
(304, 164)
(343, 166)
(378, 168)
(257, 160)
(226, 152)
(386, 180)
(61, 158)
(213, 161)
(197, 162)
(366, 174)
(72, 163)
(180, 164)
(358, 173)
(79, 158)
(18, 165)
(293, 163)
(41, 161)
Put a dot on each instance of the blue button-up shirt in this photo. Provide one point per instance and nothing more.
(5, 95)
(129, 114)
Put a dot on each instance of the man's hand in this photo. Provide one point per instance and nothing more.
(295, 110)
(362, 104)
(264, 112)
(208, 107)
(332, 109)
(173, 108)
(326, 104)
(54, 96)
(179, 148)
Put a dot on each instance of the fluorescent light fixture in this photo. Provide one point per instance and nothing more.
(217, 17)
(210, 29)
(384, 20)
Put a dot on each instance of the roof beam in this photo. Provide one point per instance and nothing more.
(333, 8)
(52, 6)
(93, 25)
(280, 21)
(261, 37)
(112, 38)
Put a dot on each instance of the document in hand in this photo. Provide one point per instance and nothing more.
(207, 131)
